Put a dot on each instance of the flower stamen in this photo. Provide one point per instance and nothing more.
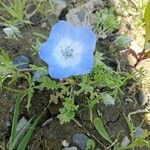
(67, 52)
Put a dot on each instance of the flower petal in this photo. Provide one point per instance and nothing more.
(86, 38)
(57, 72)
(62, 30)
(86, 64)
(46, 49)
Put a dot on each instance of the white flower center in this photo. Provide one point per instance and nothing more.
(68, 53)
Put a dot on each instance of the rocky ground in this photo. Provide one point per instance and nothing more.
(49, 134)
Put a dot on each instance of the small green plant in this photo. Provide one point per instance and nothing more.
(67, 112)
(20, 140)
(7, 70)
(98, 123)
(106, 22)
(121, 42)
(137, 140)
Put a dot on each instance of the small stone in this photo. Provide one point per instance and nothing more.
(138, 132)
(70, 148)
(22, 122)
(147, 118)
(21, 62)
(60, 5)
(83, 14)
(47, 122)
(8, 123)
(143, 96)
(135, 46)
(44, 25)
(65, 143)
(125, 141)
(80, 140)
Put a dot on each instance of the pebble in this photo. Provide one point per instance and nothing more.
(44, 25)
(21, 62)
(60, 5)
(125, 141)
(70, 148)
(80, 140)
(21, 124)
(138, 132)
(47, 122)
(65, 143)
(147, 118)
(8, 123)
(143, 96)
(83, 14)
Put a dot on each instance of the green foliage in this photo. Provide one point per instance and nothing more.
(16, 9)
(23, 144)
(101, 129)
(147, 23)
(7, 69)
(106, 22)
(141, 6)
(67, 112)
(90, 145)
(14, 123)
(136, 141)
(123, 6)
(104, 76)
(21, 139)
(121, 42)
(46, 82)
(44, 7)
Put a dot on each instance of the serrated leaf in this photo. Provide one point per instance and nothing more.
(98, 123)
(46, 82)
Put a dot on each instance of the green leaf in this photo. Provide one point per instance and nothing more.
(90, 145)
(46, 82)
(101, 129)
(20, 135)
(67, 112)
(24, 142)
(147, 23)
(14, 124)
(147, 13)
(147, 33)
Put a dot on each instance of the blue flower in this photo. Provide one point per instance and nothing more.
(68, 50)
